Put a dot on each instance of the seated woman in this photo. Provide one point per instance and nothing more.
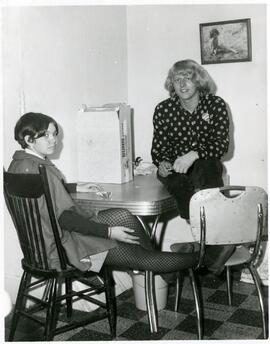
(112, 237)
(191, 136)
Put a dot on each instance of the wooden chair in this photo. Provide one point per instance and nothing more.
(231, 215)
(22, 192)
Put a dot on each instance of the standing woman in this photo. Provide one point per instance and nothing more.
(191, 135)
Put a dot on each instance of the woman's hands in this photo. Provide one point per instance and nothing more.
(88, 187)
(121, 233)
(165, 168)
(183, 163)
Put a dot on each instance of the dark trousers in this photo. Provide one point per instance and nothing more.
(203, 174)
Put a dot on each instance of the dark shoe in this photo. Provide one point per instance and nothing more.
(216, 256)
(185, 247)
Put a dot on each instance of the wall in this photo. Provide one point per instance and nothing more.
(57, 58)
(167, 34)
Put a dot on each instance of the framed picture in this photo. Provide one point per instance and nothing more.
(225, 41)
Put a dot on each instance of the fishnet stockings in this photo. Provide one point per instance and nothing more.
(143, 256)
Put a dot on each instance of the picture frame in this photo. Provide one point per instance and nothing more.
(226, 41)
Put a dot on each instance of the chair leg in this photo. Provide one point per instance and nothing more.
(51, 316)
(257, 281)
(229, 284)
(150, 298)
(110, 302)
(45, 296)
(177, 291)
(68, 286)
(19, 304)
(197, 302)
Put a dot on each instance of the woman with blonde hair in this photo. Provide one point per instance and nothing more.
(191, 135)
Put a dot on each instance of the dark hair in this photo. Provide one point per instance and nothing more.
(200, 76)
(33, 124)
(213, 33)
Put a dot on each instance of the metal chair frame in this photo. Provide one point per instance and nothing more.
(249, 264)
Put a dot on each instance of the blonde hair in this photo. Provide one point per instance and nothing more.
(200, 76)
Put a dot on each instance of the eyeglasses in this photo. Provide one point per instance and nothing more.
(47, 135)
(179, 80)
(183, 77)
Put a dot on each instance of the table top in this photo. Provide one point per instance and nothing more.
(145, 195)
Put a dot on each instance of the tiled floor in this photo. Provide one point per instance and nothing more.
(240, 321)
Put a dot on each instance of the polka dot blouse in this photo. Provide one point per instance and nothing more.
(177, 131)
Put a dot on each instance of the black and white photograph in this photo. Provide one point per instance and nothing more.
(135, 171)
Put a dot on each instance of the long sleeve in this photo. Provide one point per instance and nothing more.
(216, 144)
(177, 131)
(72, 221)
(162, 148)
(70, 187)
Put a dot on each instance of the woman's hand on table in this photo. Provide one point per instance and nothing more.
(88, 187)
(123, 234)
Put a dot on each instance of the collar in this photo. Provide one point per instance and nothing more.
(22, 155)
(29, 151)
(176, 99)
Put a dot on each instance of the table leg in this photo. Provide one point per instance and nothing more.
(150, 297)
(151, 232)
(154, 228)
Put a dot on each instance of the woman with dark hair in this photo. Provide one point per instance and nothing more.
(191, 134)
(113, 237)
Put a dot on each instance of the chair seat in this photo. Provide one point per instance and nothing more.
(69, 272)
(240, 256)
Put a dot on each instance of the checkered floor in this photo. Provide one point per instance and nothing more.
(240, 321)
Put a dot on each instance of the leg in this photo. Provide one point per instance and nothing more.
(135, 257)
(216, 256)
(202, 174)
(141, 257)
(206, 174)
(122, 217)
(180, 186)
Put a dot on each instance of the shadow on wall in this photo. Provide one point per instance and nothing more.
(228, 156)
(60, 146)
(132, 135)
